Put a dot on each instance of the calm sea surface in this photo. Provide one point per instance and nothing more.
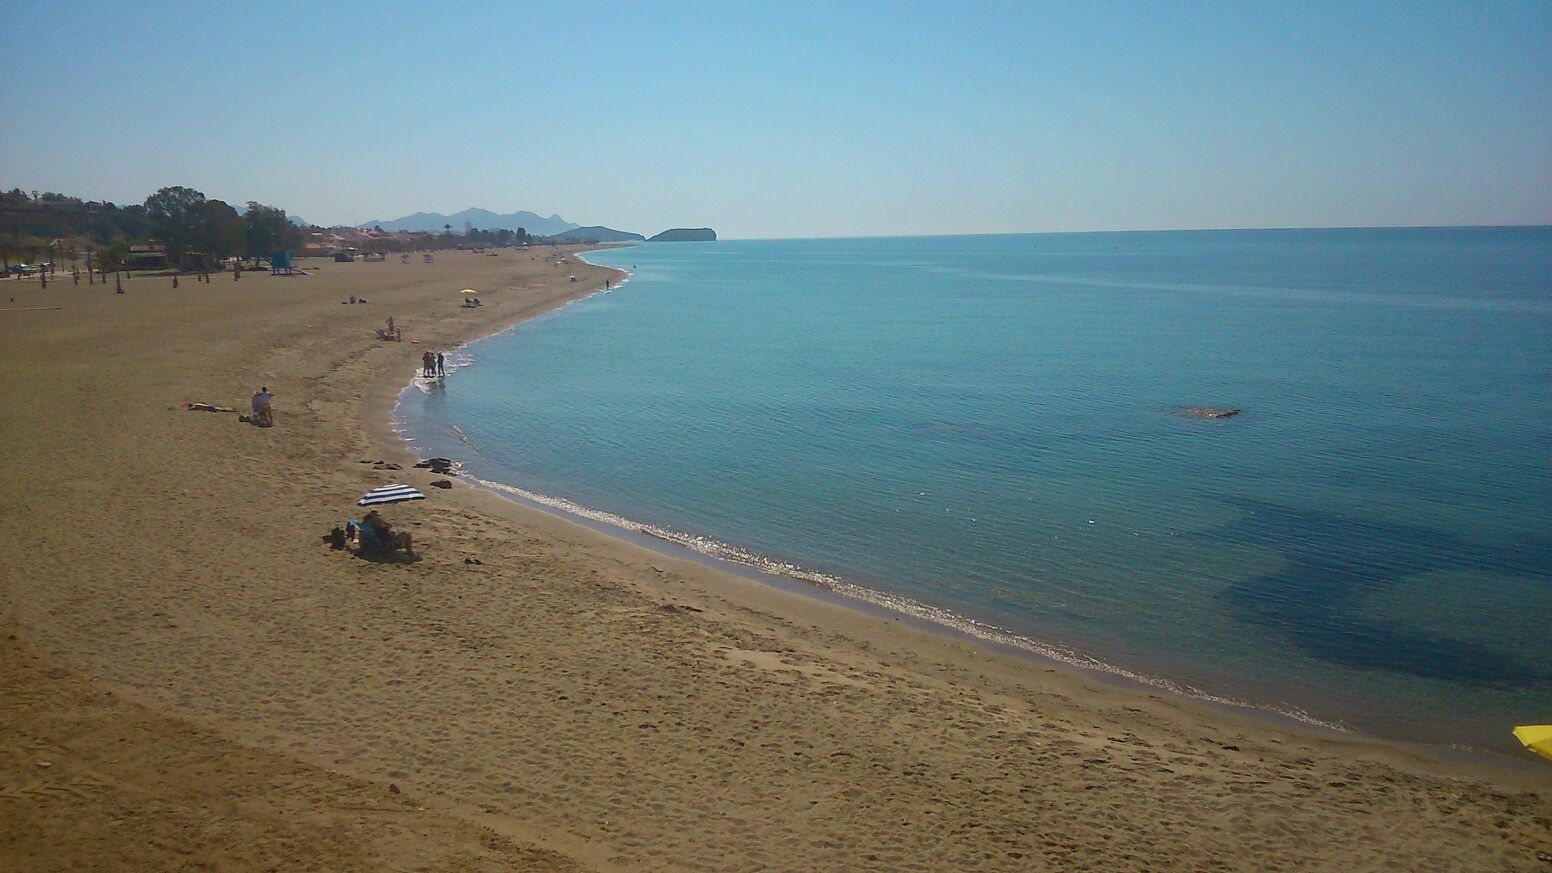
(991, 431)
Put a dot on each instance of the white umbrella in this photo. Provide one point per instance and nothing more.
(468, 291)
(390, 494)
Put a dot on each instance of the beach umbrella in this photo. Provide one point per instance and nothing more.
(389, 494)
(468, 291)
(1536, 737)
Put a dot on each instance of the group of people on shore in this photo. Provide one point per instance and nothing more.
(432, 364)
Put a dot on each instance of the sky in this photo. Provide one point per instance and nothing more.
(798, 119)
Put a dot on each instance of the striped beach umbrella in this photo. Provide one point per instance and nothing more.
(390, 494)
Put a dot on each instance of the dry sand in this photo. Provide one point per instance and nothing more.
(191, 679)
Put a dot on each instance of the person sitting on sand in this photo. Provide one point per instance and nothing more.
(263, 411)
(384, 533)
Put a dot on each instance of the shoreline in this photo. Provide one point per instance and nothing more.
(572, 700)
(953, 627)
(1143, 676)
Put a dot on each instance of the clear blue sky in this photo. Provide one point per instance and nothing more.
(796, 119)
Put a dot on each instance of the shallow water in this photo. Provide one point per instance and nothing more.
(990, 431)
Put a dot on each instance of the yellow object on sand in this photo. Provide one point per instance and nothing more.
(1536, 737)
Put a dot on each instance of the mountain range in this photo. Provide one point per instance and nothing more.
(483, 219)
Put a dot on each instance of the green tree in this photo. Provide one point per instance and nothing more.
(176, 216)
(113, 257)
(219, 231)
(267, 230)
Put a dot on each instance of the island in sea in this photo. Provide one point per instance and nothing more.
(590, 235)
(686, 234)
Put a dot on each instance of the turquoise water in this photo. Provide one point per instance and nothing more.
(990, 431)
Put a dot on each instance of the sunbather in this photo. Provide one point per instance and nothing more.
(375, 527)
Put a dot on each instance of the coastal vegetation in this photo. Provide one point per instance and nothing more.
(179, 228)
(179, 224)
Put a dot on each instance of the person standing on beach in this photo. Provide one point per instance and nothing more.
(441, 365)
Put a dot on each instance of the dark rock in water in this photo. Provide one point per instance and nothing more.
(1211, 411)
(441, 483)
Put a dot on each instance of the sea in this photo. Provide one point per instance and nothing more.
(1020, 438)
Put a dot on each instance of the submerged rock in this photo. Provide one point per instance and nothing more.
(1211, 411)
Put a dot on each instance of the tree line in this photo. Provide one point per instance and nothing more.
(191, 227)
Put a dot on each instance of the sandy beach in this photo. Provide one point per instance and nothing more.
(192, 678)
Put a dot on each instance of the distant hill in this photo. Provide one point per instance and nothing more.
(686, 234)
(596, 235)
(482, 219)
